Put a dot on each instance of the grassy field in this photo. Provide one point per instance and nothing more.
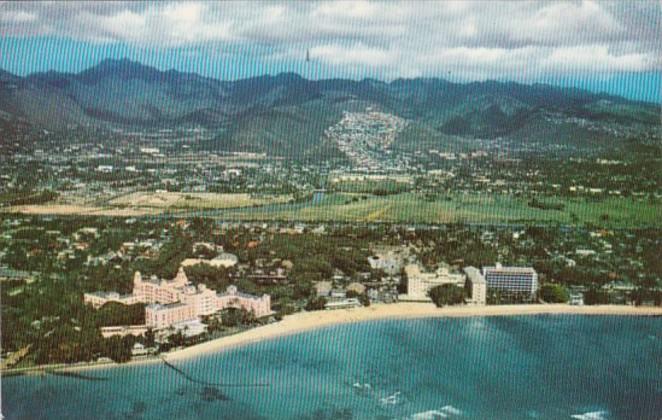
(469, 208)
(617, 212)
(176, 200)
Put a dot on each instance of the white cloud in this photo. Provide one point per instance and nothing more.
(357, 54)
(482, 39)
(169, 25)
(553, 23)
(17, 17)
(347, 9)
(596, 57)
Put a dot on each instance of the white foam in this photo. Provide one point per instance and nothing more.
(592, 415)
(442, 413)
(359, 385)
(451, 410)
(390, 400)
(429, 415)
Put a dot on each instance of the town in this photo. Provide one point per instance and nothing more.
(151, 172)
(81, 288)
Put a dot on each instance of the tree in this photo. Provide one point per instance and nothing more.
(119, 348)
(362, 297)
(596, 297)
(236, 317)
(115, 313)
(217, 278)
(446, 294)
(150, 340)
(316, 304)
(554, 293)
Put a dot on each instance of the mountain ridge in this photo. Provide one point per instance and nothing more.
(257, 112)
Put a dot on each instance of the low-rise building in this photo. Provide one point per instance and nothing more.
(98, 299)
(323, 288)
(224, 260)
(343, 304)
(420, 283)
(388, 264)
(124, 330)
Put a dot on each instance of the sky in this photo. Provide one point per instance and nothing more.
(612, 47)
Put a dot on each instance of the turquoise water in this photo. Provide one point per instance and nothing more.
(546, 367)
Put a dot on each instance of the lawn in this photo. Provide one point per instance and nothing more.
(469, 208)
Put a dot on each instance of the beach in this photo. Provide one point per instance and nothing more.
(410, 366)
(307, 321)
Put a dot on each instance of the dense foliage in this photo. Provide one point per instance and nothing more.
(553, 293)
(447, 294)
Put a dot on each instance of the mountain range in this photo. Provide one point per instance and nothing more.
(287, 114)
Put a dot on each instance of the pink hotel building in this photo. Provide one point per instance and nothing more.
(177, 300)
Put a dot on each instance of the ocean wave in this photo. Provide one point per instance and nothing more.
(442, 413)
(391, 399)
(592, 415)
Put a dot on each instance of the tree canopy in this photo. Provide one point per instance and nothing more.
(554, 293)
(447, 294)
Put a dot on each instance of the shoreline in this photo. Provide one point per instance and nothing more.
(308, 321)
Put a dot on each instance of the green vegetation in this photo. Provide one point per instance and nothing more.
(462, 208)
(546, 205)
(217, 278)
(382, 187)
(47, 312)
(113, 313)
(316, 304)
(447, 294)
(236, 318)
(362, 297)
(596, 297)
(553, 293)
(27, 198)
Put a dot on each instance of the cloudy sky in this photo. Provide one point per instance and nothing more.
(604, 46)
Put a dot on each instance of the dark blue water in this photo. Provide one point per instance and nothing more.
(545, 367)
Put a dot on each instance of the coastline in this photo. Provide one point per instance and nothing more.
(307, 321)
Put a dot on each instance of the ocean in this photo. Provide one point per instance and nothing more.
(521, 367)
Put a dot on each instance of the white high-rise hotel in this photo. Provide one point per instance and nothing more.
(172, 301)
(511, 279)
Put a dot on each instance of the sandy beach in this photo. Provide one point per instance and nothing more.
(306, 321)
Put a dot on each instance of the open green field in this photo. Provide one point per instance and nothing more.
(177, 200)
(468, 208)
(408, 207)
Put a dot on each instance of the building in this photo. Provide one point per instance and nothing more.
(476, 285)
(160, 316)
(388, 264)
(323, 288)
(420, 283)
(177, 300)
(124, 330)
(224, 260)
(511, 279)
(347, 303)
(258, 305)
(576, 299)
(98, 299)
